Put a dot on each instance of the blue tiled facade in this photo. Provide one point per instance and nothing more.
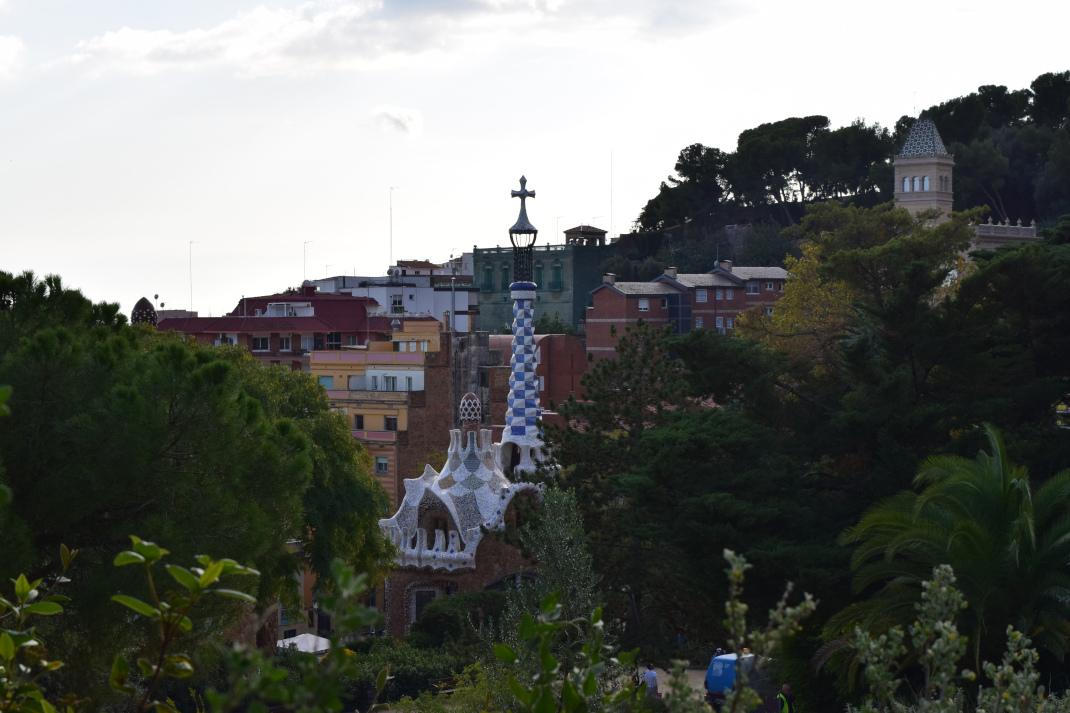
(523, 412)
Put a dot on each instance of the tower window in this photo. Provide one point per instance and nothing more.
(906, 184)
(917, 183)
(925, 184)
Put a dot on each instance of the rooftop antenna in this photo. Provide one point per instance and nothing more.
(191, 274)
(392, 189)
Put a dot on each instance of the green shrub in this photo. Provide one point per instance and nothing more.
(456, 619)
(412, 671)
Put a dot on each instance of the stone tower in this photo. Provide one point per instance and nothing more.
(923, 170)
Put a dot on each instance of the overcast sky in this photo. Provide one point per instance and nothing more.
(129, 128)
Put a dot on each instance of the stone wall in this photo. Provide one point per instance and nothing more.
(495, 561)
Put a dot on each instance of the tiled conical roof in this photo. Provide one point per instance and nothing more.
(923, 141)
(144, 312)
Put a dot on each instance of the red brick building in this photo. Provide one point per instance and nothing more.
(562, 364)
(283, 328)
(681, 301)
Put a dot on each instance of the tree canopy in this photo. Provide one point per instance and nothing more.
(887, 346)
(117, 429)
(1011, 149)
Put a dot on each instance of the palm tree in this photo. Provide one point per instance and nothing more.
(1009, 547)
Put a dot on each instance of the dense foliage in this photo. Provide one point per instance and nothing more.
(887, 347)
(1012, 157)
(1008, 542)
(117, 429)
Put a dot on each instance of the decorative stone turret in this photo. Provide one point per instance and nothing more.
(923, 171)
(468, 498)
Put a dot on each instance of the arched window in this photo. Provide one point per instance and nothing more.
(906, 184)
(917, 183)
(925, 184)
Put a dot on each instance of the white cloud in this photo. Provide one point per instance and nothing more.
(315, 35)
(11, 52)
(399, 119)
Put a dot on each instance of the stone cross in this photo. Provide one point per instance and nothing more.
(523, 194)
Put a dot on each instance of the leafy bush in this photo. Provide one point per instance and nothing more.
(456, 619)
(412, 671)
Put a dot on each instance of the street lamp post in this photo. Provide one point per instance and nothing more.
(522, 445)
(522, 235)
(453, 302)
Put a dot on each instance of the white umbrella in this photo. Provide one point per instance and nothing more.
(306, 643)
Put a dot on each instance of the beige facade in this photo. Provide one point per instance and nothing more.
(923, 172)
(924, 183)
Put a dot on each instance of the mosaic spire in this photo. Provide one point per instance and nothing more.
(521, 445)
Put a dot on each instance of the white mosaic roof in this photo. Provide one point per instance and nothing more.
(475, 494)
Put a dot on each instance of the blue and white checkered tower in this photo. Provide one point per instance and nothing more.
(521, 446)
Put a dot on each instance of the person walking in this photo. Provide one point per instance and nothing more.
(650, 680)
(785, 700)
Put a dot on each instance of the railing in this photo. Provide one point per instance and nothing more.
(1006, 230)
(397, 397)
(354, 356)
(375, 436)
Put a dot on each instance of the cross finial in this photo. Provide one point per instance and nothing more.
(523, 194)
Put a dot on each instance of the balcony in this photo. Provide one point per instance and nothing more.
(392, 397)
(376, 436)
(345, 356)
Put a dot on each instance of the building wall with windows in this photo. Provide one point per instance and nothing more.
(565, 275)
(681, 302)
(719, 297)
(284, 328)
(377, 411)
(618, 306)
(426, 295)
(394, 402)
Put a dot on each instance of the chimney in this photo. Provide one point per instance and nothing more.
(671, 272)
(725, 265)
(609, 279)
